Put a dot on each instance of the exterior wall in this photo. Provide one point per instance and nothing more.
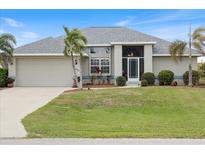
(167, 63)
(85, 66)
(117, 58)
(148, 58)
(86, 69)
(12, 69)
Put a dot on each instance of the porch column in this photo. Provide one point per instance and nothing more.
(148, 58)
(117, 61)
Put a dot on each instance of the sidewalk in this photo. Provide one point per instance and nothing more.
(100, 141)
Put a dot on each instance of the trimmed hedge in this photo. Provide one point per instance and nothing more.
(149, 77)
(121, 81)
(195, 77)
(144, 83)
(165, 77)
(3, 77)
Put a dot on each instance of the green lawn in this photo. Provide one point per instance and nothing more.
(136, 112)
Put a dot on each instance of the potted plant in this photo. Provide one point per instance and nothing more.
(10, 82)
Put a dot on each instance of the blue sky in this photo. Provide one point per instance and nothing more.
(29, 25)
(32, 25)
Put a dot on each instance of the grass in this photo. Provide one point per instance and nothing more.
(150, 112)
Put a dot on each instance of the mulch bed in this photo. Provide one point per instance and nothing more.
(99, 86)
(200, 86)
(72, 90)
(89, 87)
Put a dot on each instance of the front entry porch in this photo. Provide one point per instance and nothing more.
(132, 70)
(132, 63)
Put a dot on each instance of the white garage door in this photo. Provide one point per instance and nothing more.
(44, 72)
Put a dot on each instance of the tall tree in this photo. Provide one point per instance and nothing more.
(74, 44)
(7, 42)
(196, 40)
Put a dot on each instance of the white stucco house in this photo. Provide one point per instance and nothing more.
(115, 51)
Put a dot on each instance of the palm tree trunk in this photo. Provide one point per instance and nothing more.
(81, 80)
(190, 59)
(190, 75)
(74, 71)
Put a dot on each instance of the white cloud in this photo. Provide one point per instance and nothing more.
(2, 31)
(167, 18)
(125, 22)
(181, 15)
(29, 35)
(13, 23)
(171, 32)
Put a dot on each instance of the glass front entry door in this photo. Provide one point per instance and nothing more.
(133, 69)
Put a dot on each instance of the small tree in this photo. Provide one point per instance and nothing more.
(178, 47)
(74, 44)
(7, 42)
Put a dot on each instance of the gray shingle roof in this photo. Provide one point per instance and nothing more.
(95, 35)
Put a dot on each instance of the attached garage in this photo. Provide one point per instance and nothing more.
(43, 71)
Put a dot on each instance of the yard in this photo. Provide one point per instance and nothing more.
(151, 112)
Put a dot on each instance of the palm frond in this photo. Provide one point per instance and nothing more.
(7, 42)
(74, 42)
(198, 33)
(66, 31)
(199, 47)
(198, 38)
(7, 37)
(177, 49)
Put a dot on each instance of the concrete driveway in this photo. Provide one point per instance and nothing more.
(16, 103)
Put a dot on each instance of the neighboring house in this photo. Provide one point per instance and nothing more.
(114, 51)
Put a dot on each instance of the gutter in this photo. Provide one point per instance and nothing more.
(132, 43)
(167, 55)
(46, 54)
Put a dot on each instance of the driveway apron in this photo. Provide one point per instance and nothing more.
(16, 103)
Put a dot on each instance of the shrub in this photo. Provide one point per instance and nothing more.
(144, 83)
(201, 70)
(202, 82)
(165, 77)
(149, 77)
(121, 81)
(3, 77)
(195, 77)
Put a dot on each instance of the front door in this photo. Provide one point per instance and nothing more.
(133, 69)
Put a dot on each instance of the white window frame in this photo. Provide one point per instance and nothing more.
(100, 59)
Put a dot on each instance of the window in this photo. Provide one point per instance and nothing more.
(141, 67)
(100, 65)
(133, 51)
(95, 65)
(99, 52)
(100, 60)
(124, 67)
(105, 66)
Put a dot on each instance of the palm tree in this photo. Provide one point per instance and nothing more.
(74, 44)
(178, 47)
(7, 42)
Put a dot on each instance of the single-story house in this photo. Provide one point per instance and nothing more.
(110, 52)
